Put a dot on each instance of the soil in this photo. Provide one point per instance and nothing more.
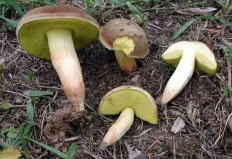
(203, 104)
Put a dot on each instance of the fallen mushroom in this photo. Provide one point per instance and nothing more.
(185, 55)
(127, 39)
(128, 100)
(55, 32)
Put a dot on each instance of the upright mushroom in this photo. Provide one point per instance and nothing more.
(54, 32)
(185, 55)
(127, 100)
(127, 39)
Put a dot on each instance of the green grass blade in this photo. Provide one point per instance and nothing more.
(219, 3)
(210, 17)
(30, 111)
(157, 1)
(95, 111)
(17, 7)
(38, 93)
(228, 53)
(72, 150)
(24, 132)
(55, 151)
(230, 26)
(182, 29)
(135, 10)
(117, 2)
(13, 23)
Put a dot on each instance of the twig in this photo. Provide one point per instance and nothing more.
(229, 75)
(16, 93)
(94, 156)
(222, 134)
(73, 138)
(154, 26)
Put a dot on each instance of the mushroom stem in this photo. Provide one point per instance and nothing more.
(67, 66)
(180, 78)
(119, 128)
(126, 64)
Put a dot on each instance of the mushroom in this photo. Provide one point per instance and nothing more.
(127, 100)
(127, 39)
(185, 55)
(55, 32)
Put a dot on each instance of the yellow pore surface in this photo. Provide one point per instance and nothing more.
(135, 98)
(125, 44)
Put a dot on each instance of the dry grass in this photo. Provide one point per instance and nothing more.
(201, 104)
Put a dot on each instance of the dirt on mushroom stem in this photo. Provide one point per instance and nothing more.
(58, 124)
(67, 66)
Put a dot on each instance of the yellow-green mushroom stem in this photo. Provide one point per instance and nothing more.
(181, 76)
(125, 63)
(119, 128)
(122, 47)
(67, 66)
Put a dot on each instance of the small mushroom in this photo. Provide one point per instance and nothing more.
(129, 101)
(185, 55)
(127, 39)
(55, 32)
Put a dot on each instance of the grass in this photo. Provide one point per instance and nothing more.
(225, 8)
(228, 53)
(7, 5)
(19, 136)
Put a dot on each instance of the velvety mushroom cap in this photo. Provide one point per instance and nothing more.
(205, 60)
(121, 27)
(32, 28)
(132, 97)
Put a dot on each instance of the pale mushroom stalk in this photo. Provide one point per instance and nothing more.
(54, 33)
(67, 66)
(119, 128)
(129, 101)
(187, 56)
(125, 63)
(181, 76)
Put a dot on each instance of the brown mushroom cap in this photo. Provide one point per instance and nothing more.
(32, 28)
(123, 27)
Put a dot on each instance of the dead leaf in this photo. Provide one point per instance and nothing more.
(137, 19)
(192, 113)
(136, 80)
(1, 61)
(195, 11)
(178, 125)
(10, 154)
(134, 154)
